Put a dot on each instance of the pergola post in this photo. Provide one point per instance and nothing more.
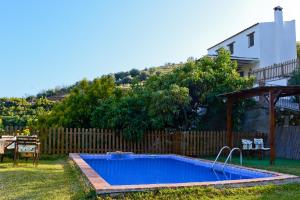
(272, 102)
(229, 123)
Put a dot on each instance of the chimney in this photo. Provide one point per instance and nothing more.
(278, 22)
(278, 18)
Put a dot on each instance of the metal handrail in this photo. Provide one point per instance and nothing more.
(230, 154)
(225, 147)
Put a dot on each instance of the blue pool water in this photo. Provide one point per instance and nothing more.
(134, 169)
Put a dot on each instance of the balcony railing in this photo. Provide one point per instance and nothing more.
(276, 71)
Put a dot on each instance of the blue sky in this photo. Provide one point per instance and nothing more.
(49, 43)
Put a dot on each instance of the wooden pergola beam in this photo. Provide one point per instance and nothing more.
(264, 90)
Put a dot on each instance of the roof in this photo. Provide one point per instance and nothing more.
(282, 91)
(242, 61)
(234, 35)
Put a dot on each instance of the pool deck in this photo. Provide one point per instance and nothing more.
(102, 187)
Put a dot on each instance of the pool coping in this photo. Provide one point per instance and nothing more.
(103, 187)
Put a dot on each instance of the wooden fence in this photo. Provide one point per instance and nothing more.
(288, 142)
(276, 71)
(192, 143)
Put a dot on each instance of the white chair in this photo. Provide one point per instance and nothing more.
(259, 144)
(247, 144)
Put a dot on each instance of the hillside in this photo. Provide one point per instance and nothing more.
(25, 111)
(122, 79)
(170, 97)
(22, 112)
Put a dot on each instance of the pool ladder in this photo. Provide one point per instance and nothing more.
(228, 157)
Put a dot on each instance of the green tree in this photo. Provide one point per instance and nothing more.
(143, 76)
(126, 112)
(120, 75)
(134, 72)
(172, 100)
(22, 112)
(1, 123)
(167, 108)
(295, 80)
(127, 80)
(205, 79)
(76, 109)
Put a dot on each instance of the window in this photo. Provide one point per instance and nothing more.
(241, 74)
(250, 39)
(230, 47)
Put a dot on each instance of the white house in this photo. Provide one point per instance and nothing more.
(261, 45)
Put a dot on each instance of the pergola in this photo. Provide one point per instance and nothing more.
(271, 94)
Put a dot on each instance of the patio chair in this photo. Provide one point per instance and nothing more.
(29, 146)
(259, 144)
(247, 147)
(247, 144)
(6, 143)
(259, 147)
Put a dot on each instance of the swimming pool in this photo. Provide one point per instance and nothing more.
(130, 172)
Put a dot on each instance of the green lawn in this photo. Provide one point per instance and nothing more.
(54, 178)
(57, 178)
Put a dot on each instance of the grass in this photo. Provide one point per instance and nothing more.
(281, 165)
(57, 178)
(54, 178)
(284, 192)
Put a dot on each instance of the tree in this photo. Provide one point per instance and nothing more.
(127, 80)
(23, 112)
(298, 50)
(126, 112)
(190, 59)
(205, 79)
(295, 80)
(134, 72)
(167, 107)
(143, 76)
(157, 73)
(77, 108)
(120, 75)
